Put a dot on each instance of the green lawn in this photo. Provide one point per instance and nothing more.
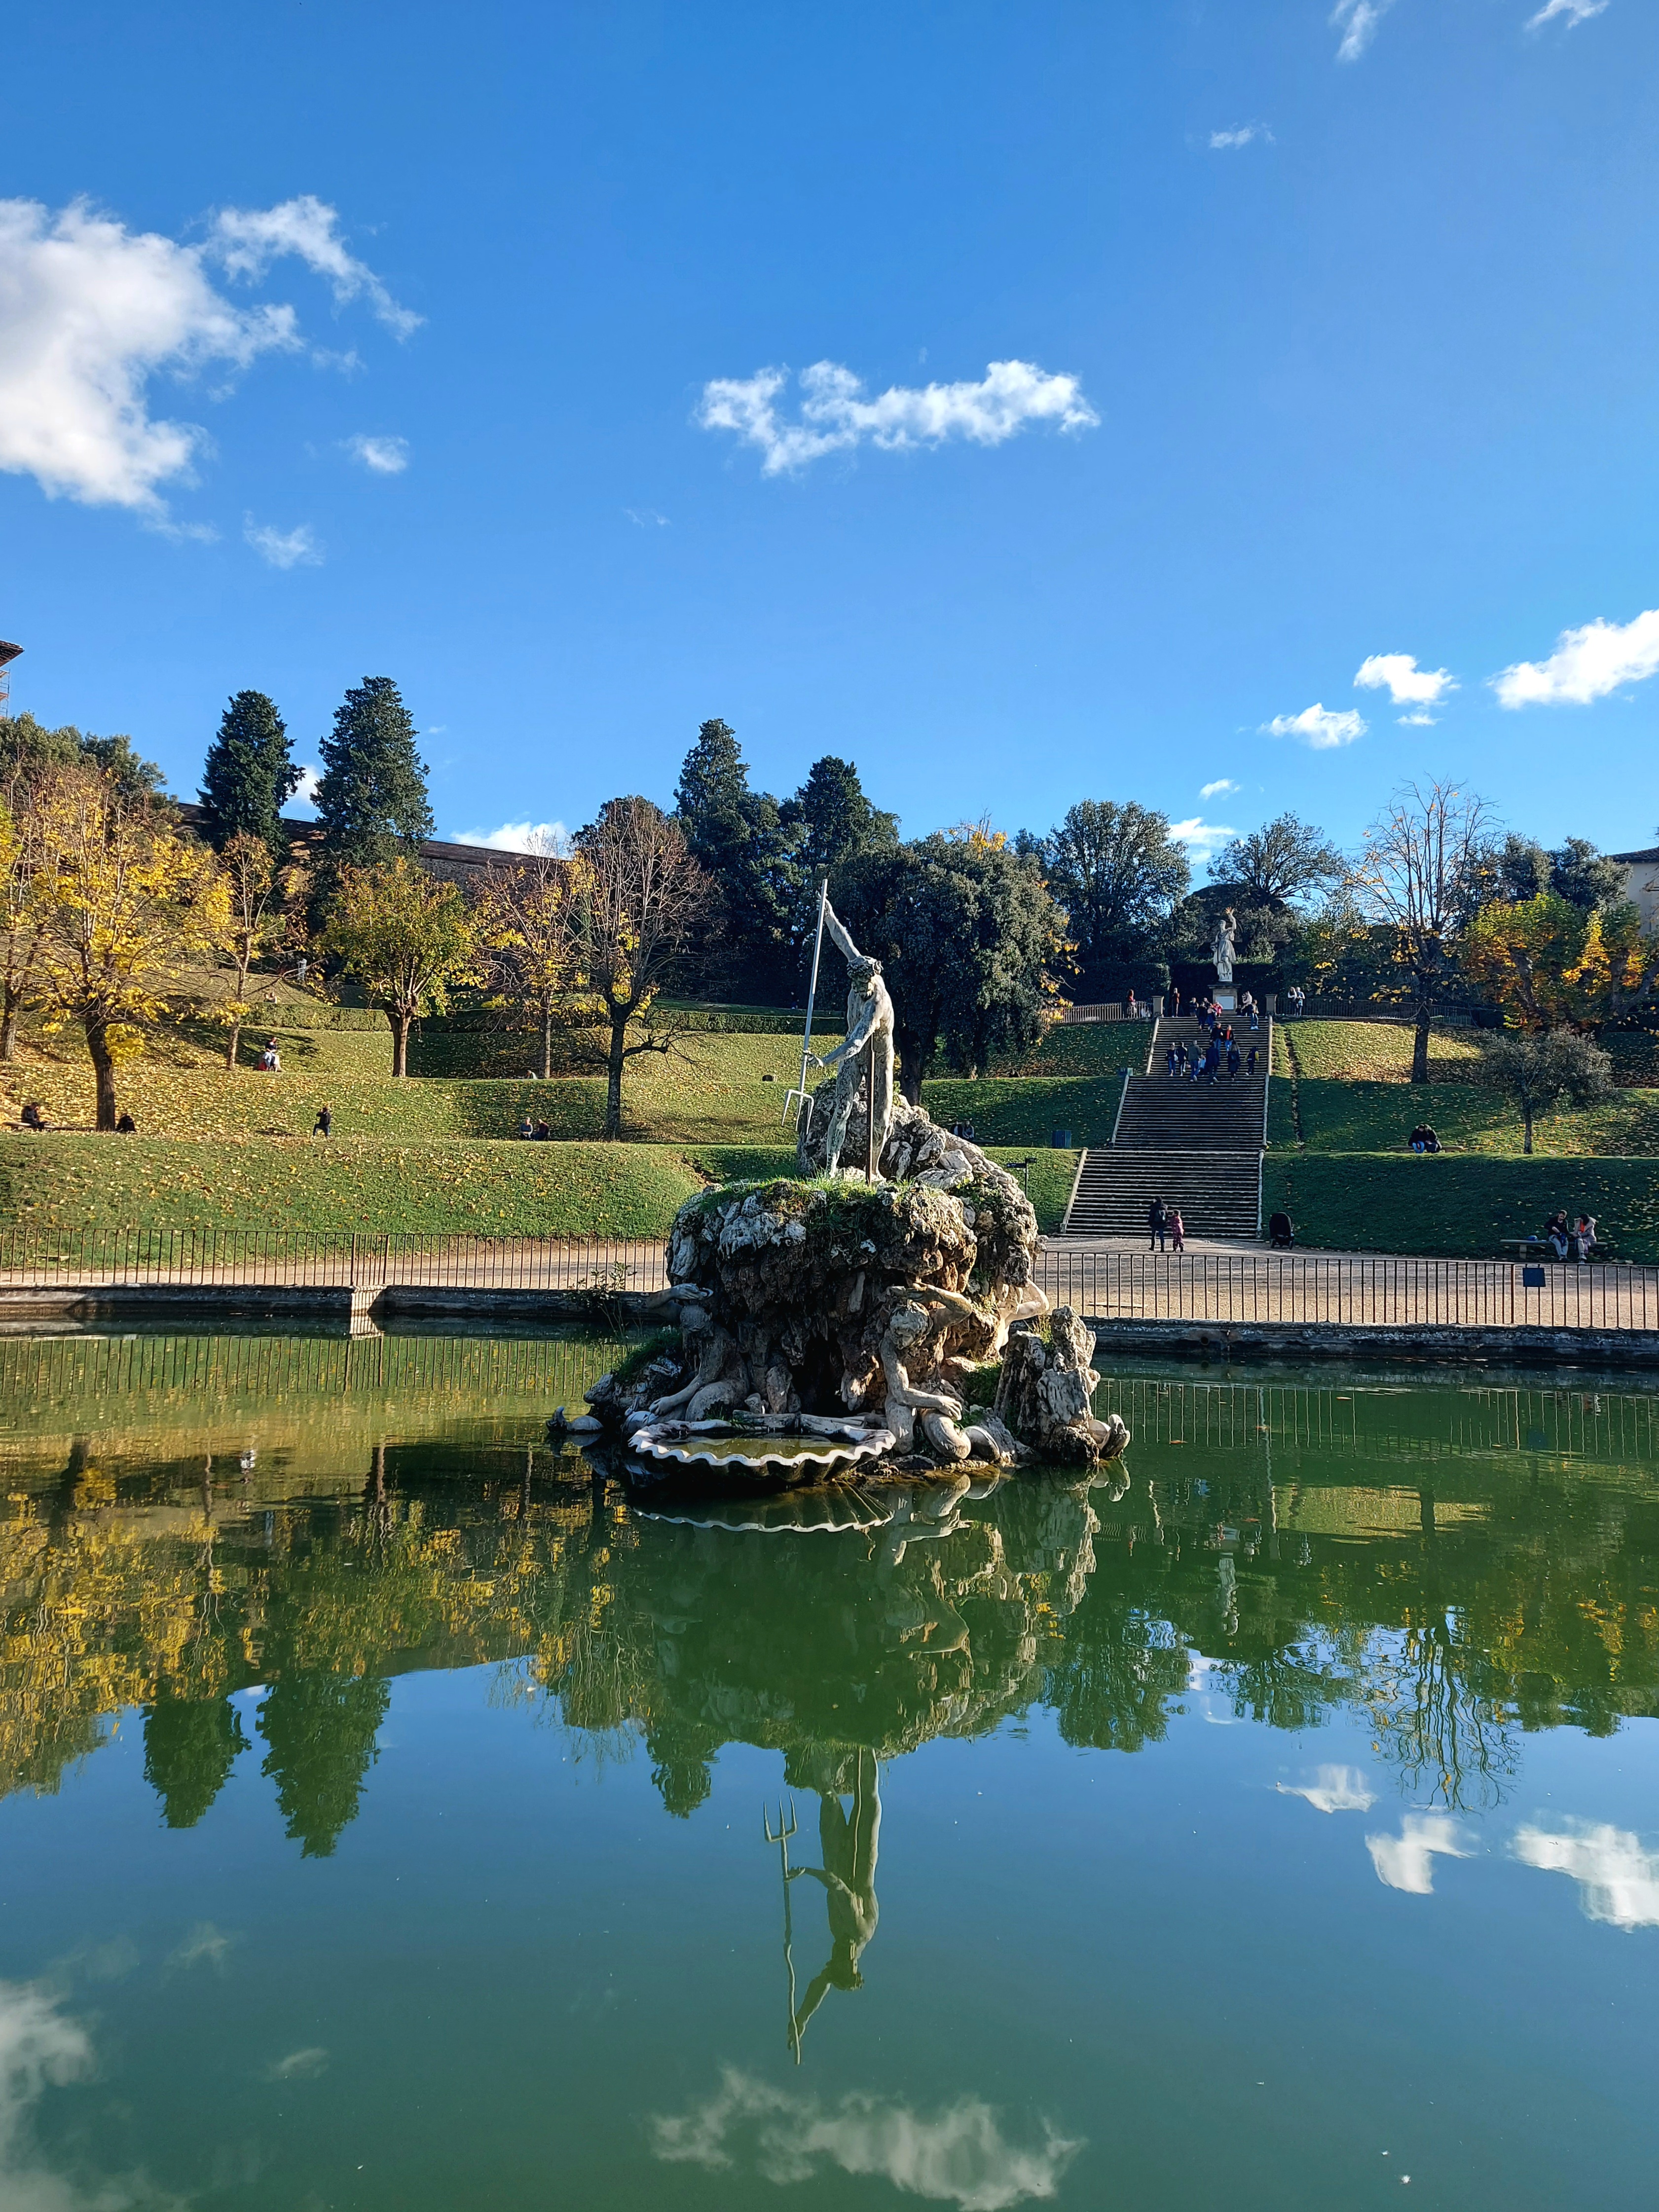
(63, 1184)
(1376, 1117)
(1460, 1206)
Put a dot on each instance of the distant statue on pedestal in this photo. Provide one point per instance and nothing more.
(1222, 947)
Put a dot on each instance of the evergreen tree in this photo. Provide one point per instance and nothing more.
(740, 837)
(248, 775)
(371, 799)
(837, 829)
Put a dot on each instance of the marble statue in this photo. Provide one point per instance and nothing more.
(868, 1041)
(1221, 945)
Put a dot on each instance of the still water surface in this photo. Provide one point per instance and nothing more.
(386, 1802)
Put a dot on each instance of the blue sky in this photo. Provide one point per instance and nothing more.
(1338, 346)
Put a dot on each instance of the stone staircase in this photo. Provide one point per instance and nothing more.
(1194, 1146)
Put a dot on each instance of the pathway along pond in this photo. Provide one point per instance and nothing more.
(385, 1805)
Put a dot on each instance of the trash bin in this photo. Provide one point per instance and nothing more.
(1059, 1141)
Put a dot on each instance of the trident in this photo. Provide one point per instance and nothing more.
(785, 1828)
(801, 1098)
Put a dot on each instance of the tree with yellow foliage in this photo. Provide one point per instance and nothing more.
(407, 939)
(21, 918)
(266, 910)
(125, 903)
(529, 917)
(1553, 964)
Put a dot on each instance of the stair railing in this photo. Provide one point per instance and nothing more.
(1118, 1116)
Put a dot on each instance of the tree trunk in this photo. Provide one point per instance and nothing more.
(400, 1028)
(8, 1023)
(547, 1045)
(103, 1068)
(1526, 1121)
(235, 1040)
(1421, 1039)
(614, 1076)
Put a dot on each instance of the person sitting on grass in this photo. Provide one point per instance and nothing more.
(543, 1132)
(526, 1128)
(126, 1126)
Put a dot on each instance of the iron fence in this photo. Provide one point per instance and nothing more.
(1104, 1285)
(295, 1259)
(1352, 1292)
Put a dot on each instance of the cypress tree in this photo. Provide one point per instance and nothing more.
(371, 799)
(248, 774)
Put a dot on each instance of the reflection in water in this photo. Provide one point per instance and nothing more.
(1407, 1861)
(1618, 1881)
(849, 1844)
(252, 1572)
(958, 2156)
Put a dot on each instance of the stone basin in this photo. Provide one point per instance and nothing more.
(786, 1456)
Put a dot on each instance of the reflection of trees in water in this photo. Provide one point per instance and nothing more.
(174, 1593)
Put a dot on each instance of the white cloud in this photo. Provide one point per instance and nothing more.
(283, 549)
(646, 518)
(835, 414)
(1407, 1861)
(1576, 11)
(1318, 726)
(1216, 790)
(1618, 1881)
(539, 838)
(1358, 20)
(305, 792)
(958, 2157)
(1587, 664)
(246, 240)
(1246, 135)
(1334, 1789)
(1406, 683)
(1204, 837)
(90, 312)
(1418, 721)
(385, 457)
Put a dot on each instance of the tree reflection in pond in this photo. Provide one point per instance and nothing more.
(1404, 1555)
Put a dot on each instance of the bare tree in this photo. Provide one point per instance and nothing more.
(1418, 875)
(643, 888)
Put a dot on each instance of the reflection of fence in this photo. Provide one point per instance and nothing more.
(1270, 1290)
(208, 1259)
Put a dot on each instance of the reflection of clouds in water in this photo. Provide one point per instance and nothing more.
(204, 1945)
(959, 2156)
(1618, 1881)
(41, 2049)
(299, 2065)
(1407, 1861)
(1334, 1789)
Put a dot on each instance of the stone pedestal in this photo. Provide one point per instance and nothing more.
(1226, 997)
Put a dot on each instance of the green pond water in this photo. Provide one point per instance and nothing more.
(385, 1803)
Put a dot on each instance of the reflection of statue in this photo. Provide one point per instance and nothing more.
(869, 1024)
(848, 1875)
(1221, 946)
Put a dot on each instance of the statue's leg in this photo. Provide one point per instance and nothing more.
(881, 1102)
(847, 1091)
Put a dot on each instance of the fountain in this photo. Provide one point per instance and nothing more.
(882, 1318)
